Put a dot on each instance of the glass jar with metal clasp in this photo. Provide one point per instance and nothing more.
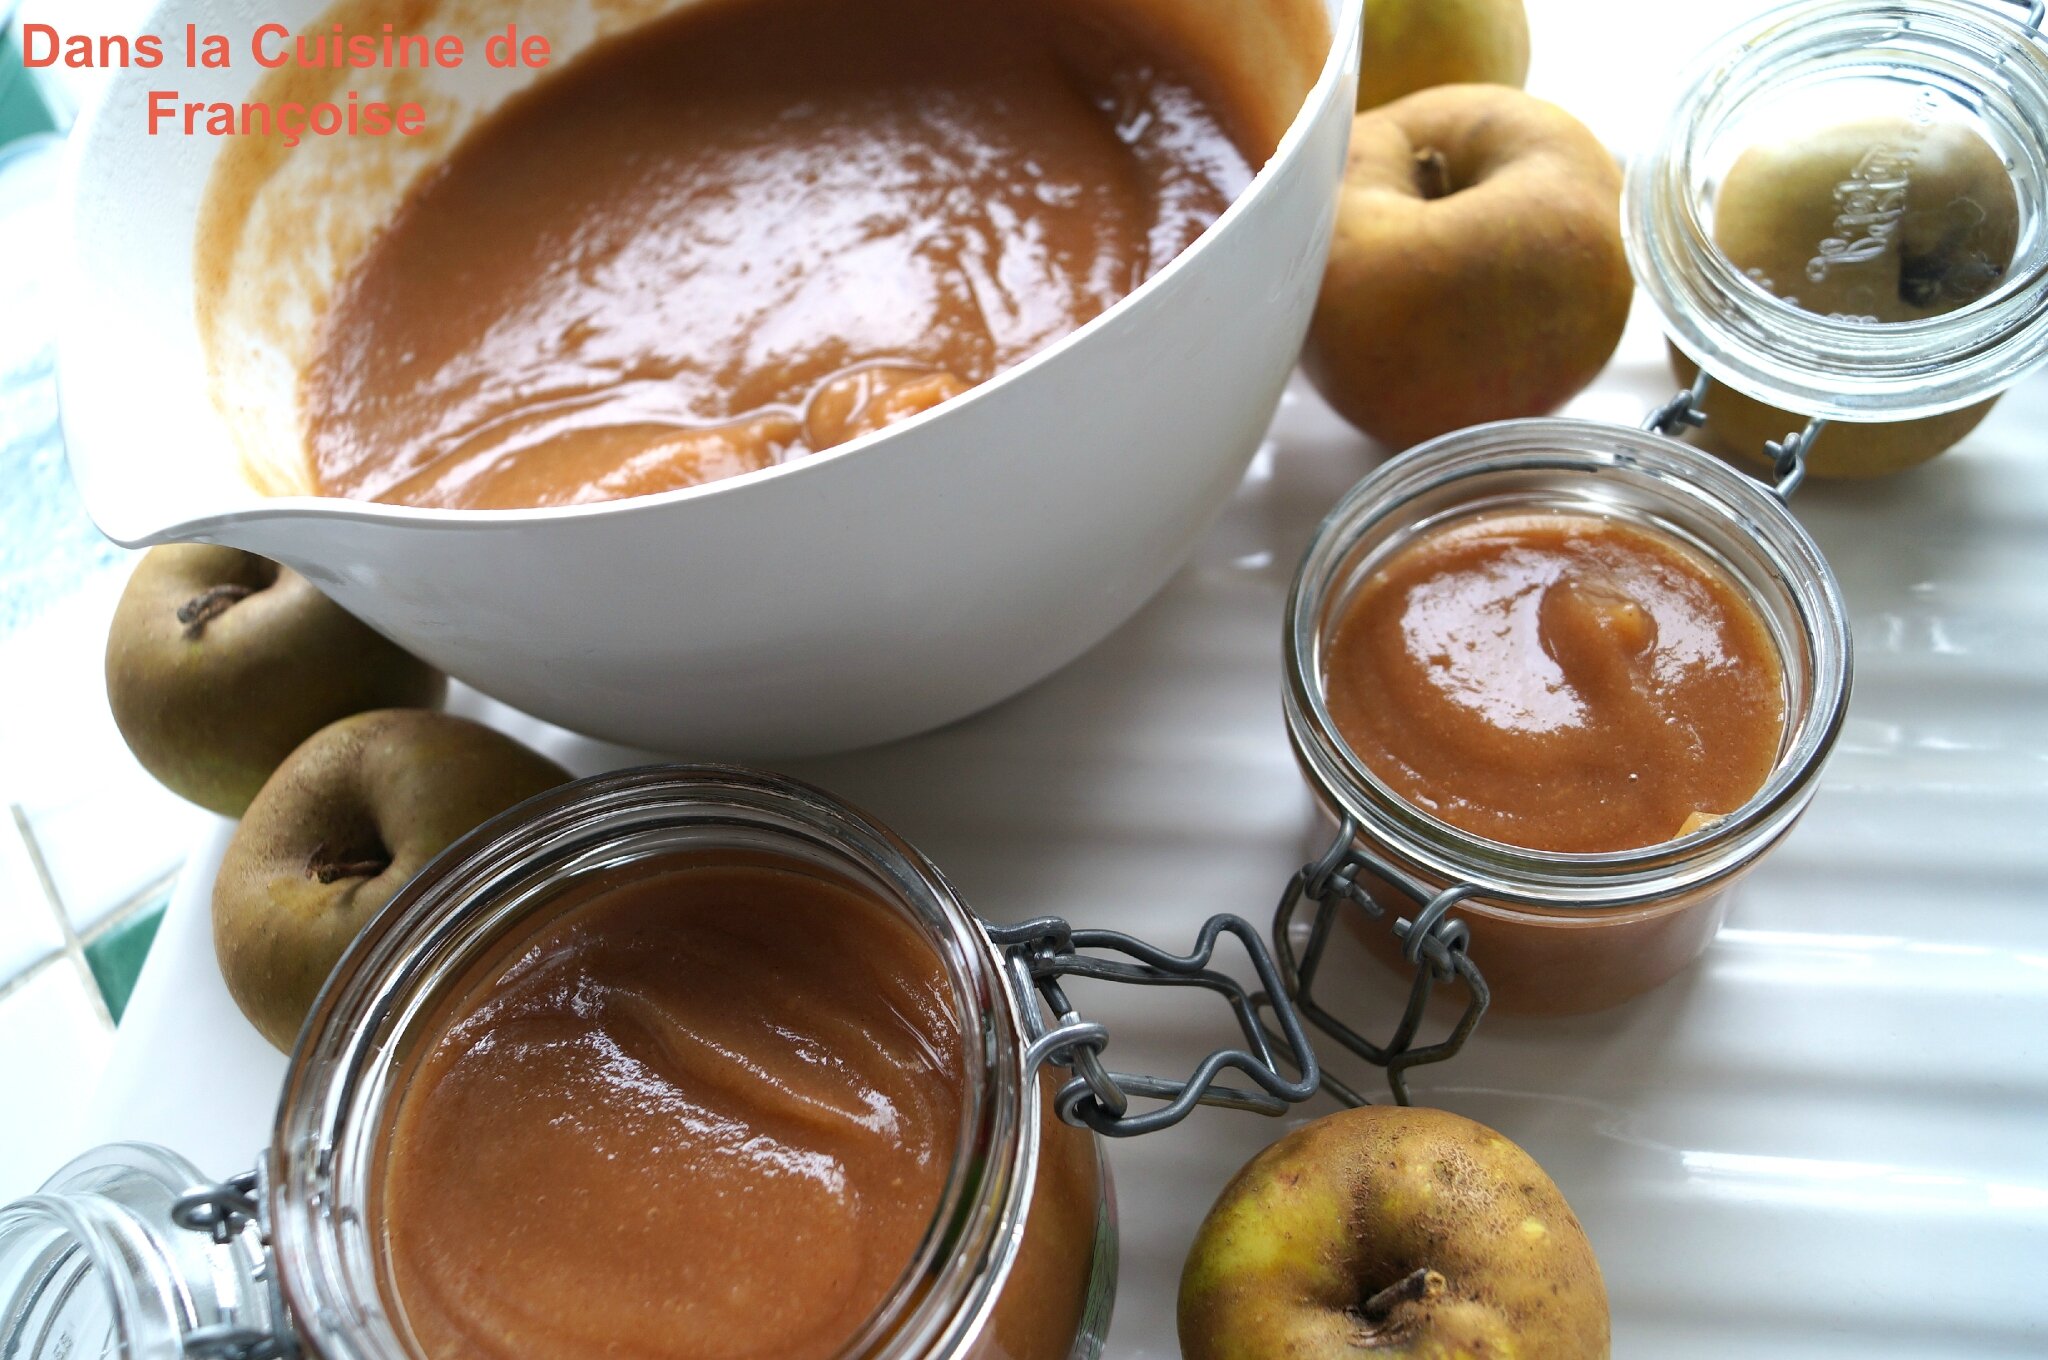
(125, 1252)
(1546, 933)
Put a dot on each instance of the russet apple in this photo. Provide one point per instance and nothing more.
(1409, 1234)
(1477, 271)
(1411, 45)
(1884, 220)
(343, 824)
(1738, 427)
(220, 662)
(1881, 219)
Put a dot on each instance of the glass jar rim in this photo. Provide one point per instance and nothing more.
(1556, 881)
(70, 1217)
(1806, 362)
(98, 1252)
(328, 1124)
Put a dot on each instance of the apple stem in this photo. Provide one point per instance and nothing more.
(201, 610)
(1432, 173)
(1422, 1283)
(325, 870)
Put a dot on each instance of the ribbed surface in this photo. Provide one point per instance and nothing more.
(1829, 1139)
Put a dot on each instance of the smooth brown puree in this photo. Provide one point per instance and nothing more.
(752, 230)
(703, 1113)
(1558, 681)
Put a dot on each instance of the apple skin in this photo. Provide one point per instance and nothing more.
(1411, 45)
(1477, 271)
(364, 804)
(1952, 229)
(210, 706)
(1738, 427)
(1355, 1202)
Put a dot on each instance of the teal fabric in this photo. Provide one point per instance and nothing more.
(22, 110)
(116, 957)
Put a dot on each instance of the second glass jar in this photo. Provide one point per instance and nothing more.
(1558, 933)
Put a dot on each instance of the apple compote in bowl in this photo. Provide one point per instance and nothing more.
(570, 484)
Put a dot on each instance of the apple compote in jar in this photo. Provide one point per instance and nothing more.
(682, 1062)
(1578, 673)
(716, 1066)
(1562, 683)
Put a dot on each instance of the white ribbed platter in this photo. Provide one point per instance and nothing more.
(1830, 1138)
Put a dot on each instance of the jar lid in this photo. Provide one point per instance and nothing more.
(1844, 215)
(94, 1265)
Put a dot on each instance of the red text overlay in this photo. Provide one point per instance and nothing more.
(274, 47)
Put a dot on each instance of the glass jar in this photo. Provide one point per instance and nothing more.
(94, 1265)
(1019, 1262)
(1977, 66)
(1562, 933)
(1558, 933)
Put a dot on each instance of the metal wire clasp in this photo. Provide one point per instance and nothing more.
(223, 1212)
(1684, 411)
(2036, 11)
(220, 1211)
(1039, 953)
(1687, 411)
(1433, 942)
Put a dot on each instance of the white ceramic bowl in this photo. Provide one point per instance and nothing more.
(881, 589)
